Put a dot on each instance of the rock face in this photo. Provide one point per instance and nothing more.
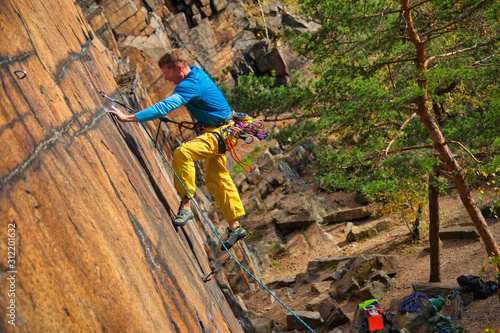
(91, 200)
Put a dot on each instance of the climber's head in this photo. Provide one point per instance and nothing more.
(174, 65)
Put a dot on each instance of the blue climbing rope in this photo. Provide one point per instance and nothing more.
(201, 212)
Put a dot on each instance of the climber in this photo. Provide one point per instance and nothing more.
(206, 103)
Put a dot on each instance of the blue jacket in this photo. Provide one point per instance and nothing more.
(198, 92)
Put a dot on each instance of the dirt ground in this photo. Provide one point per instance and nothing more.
(458, 257)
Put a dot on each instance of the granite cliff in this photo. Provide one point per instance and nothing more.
(86, 202)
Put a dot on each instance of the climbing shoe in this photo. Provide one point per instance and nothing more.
(182, 217)
(233, 237)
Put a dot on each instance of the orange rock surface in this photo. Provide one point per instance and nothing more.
(92, 201)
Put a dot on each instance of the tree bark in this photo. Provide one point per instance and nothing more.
(437, 137)
(434, 233)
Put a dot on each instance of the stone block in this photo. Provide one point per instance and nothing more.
(299, 157)
(280, 283)
(206, 10)
(265, 161)
(295, 221)
(378, 284)
(272, 61)
(459, 233)
(311, 318)
(361, 270)
(274, 147)
(315, 303)
(304, 278)
(416, 321)
(359, 233)
(347, 215)
(239, 179)
(320, 287)
(317, 238)
(321, 264)
(219, 5)
(435, 288)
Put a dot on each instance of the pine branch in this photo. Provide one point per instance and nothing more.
(449, 54)
(399, 132)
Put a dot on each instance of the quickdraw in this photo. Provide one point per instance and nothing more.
(246, 129)
(212, 274)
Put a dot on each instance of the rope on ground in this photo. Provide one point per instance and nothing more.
(208, 222)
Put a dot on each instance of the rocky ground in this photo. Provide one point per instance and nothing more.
(274, 195)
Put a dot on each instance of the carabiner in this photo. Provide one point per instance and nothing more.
(20, 74)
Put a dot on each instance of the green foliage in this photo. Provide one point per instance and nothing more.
(366, 74)
(259, 95)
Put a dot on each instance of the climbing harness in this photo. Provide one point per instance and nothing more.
(20, 74)
(203, 215)
(212, 274)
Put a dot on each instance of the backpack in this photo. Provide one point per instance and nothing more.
(479, 288)
(442, 324)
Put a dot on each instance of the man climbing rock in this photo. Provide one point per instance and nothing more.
(206, 103)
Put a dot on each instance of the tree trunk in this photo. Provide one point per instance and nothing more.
(434, 233)
(438, 139)
(455, 169)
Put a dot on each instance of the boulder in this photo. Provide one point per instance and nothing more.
(358, 233)
(387, 263)
(264, 189)
(305, 278)
(335, 276)
(262, 324)
(311, 318)
(251, 203)
(265, 162)
(299, 158)
(458, 232)
(321, 264)
(272, 61)
(320, 287)
(347, 215)
(293, 221)
(317, 238)
(315, 303)
(288, 171)
(416, 321)
(280, 283)
(274, 147)
(298, 25)
(361, 270)
(239, 179)
(435, 288)
(378, 284)
(442, 289)
(254, 178)
(329, 310)
(219, 5)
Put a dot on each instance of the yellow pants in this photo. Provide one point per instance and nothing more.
(217, 178)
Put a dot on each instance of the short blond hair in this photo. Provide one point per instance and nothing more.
(173, 57)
